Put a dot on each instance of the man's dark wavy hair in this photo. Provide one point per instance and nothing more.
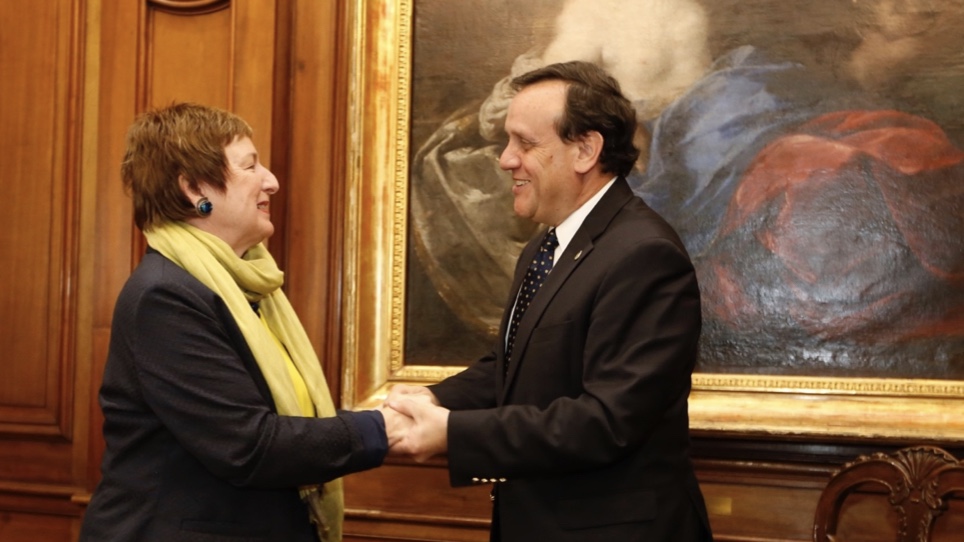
(594, 102)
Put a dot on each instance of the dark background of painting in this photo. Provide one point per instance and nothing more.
(460, 49)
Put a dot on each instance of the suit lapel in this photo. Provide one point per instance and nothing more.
(577, 252)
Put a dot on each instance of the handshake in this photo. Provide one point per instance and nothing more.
(415, 424)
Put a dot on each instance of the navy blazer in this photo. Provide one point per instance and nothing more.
(195, 448)
(588, 437)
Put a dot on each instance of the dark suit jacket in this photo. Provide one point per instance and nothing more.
(195, 448)
(588, 438)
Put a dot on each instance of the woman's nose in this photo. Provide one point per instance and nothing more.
(271, 184)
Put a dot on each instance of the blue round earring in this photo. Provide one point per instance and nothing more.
(204, 207)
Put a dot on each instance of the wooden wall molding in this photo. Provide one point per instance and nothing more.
(190, 7)
(44, 498)
(42, 110)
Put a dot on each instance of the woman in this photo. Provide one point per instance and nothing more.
(217, 417)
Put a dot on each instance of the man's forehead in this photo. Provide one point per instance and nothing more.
(540, 101)
(550, 88)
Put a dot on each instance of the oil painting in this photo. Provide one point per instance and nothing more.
(808, 153)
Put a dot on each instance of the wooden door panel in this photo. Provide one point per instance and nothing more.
(189, 58)
(38, 113)
(35, 528)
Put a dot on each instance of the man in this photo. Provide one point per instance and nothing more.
(579, 415)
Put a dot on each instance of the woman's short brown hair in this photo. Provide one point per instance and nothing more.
(184, 139)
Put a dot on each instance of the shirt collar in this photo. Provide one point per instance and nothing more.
(567, 230)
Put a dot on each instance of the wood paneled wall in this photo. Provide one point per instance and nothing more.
(42, 48)
(74, 75)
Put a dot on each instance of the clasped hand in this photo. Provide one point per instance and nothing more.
(415, 423)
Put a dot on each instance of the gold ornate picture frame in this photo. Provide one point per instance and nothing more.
(817, 407)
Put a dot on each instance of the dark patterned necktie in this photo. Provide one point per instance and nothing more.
(539, 267)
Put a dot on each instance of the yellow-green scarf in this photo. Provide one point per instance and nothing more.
(256, 278)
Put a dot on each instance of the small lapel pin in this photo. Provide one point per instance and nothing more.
(578, 254)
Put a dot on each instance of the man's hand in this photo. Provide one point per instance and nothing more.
(428, 435)
(415, 392)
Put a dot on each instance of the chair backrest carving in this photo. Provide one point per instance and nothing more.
(917, 480)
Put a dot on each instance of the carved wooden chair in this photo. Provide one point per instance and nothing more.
(917, 481)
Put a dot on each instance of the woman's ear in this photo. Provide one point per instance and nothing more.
(192, 194)
(590, 147)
